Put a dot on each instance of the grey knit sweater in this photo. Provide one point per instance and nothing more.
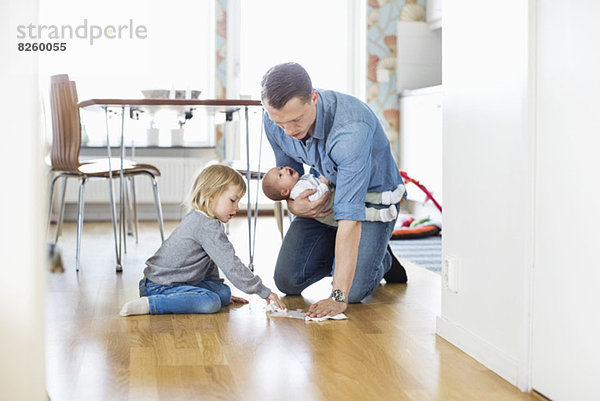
(195, 251)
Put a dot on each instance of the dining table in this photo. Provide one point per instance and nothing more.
(131, 107)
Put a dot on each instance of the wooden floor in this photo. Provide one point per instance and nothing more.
(386, 350)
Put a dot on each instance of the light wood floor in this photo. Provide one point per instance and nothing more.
(386, 350)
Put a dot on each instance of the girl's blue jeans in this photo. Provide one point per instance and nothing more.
(307, 255)
(205, 297)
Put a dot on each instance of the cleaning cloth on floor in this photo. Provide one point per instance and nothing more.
(339, 316)
(275, 311)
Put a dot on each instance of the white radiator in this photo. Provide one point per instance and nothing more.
(177, 174)
(176, 177)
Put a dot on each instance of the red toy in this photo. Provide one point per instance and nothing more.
(406, 231)
(406, 179)
(407, 222)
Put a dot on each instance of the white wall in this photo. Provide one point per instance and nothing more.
(21, 246)
(520, 140)
(487, 180)
(566, 350)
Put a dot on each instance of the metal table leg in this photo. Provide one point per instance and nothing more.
(119, 266)
(248, 179)
(122, 232)
(251, 210)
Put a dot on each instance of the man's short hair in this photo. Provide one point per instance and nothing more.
(284, 82)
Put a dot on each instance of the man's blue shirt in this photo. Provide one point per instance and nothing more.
(348, 147)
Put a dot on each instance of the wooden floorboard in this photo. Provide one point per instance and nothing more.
(386, 350)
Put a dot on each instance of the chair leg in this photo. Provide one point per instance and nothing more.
(278, 210)
(135, 214)
(113, 214)
(50, 200)
(61, 210)
(158, 209)
(80, 213)
(124, 217)
(128, 207)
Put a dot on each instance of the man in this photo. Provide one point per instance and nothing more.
(339, 137)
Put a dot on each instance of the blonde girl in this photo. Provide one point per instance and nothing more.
(183, 275)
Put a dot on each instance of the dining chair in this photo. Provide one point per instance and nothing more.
(65, 162)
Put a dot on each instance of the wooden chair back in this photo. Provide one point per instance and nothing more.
(66, 128)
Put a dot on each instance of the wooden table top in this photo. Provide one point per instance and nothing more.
(226, 105)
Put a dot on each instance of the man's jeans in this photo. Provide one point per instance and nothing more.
(307, 255)
(206, 297)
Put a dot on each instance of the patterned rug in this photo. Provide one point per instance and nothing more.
(425, 252)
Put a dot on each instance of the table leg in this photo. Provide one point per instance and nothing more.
(113, 213)
(122, 232)
(249, 181)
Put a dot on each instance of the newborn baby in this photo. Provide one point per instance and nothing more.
(285, 183)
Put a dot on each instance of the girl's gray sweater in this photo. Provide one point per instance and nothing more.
(194, 251)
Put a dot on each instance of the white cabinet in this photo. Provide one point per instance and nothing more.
(419, 52)
(421, 140)
(433, 13)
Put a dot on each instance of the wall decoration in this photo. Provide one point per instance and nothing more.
(382, 97)
(220, 68)
(412, 11)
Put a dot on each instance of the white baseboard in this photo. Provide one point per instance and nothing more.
(481, 350)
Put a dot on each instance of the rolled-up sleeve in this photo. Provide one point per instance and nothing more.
(350, 151)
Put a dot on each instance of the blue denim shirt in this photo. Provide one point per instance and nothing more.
(348, 147)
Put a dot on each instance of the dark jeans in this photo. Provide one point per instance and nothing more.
(307, 255)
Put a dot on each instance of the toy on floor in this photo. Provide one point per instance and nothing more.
(407, 222)
(428, 230)
(409, 227)
(418, 222)
(422, 187)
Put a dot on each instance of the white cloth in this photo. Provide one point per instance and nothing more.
(339, 316)
(309, 181)
(273, 311)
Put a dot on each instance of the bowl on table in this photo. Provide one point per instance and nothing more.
(156, 93)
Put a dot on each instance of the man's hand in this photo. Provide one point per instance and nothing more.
(326, 307)
(303, 207)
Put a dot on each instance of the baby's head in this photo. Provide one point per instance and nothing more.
(279, 181)
(213, 183)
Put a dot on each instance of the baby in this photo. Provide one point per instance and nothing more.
(285, 183)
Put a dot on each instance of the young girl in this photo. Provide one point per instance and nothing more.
(183, 276)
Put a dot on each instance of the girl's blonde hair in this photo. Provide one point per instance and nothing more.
(210, 184)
